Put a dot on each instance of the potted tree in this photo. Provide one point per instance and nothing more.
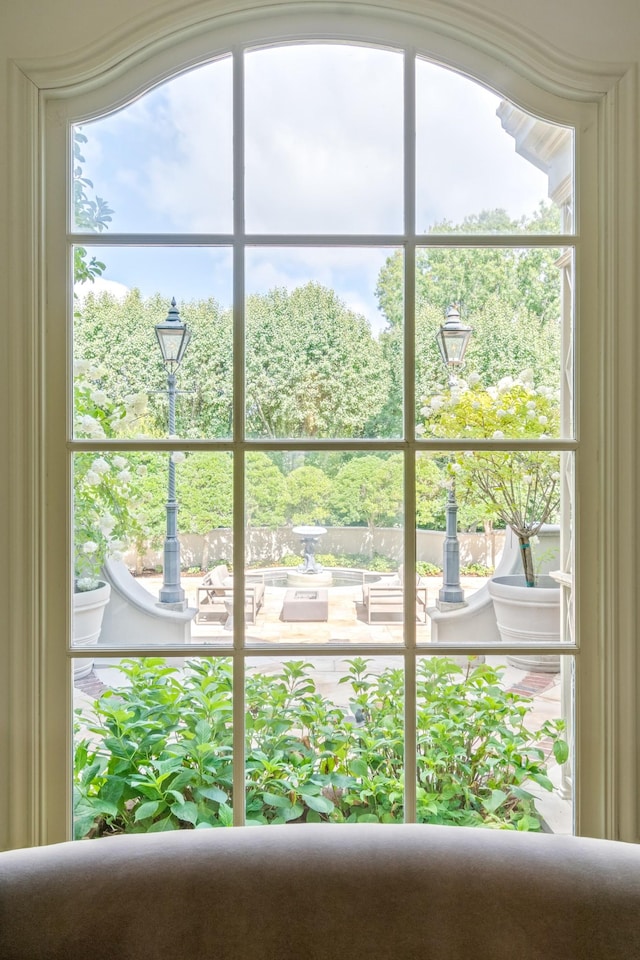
(104, 487)
(521, 488)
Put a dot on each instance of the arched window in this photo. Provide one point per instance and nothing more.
(271, 511)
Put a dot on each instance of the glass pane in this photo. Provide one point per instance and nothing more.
(483, 164)
(493, 744)
(152, 746)
(324, 539)
(323, 128)
(161, 165)
(143, 586)
(325, 740)
(320, 362)
(117, 358)
(494, 536)
(516, 379)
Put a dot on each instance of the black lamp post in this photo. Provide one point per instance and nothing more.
(173, 337)
(453, 338)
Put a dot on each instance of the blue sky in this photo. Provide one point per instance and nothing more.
(323, 154)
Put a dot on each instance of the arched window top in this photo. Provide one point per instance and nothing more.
(324, 136)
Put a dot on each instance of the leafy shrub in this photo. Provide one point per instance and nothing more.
(426, 569)
(476, 570)
(157, 754)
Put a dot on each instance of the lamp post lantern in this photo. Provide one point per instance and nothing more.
(453, 338)
(173, 338)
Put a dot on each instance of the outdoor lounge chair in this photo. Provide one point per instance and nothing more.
(216, 591)
(384, 600)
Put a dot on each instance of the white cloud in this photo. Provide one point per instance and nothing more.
(323, 154)
(100, 285)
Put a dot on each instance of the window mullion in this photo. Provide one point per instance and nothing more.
(238, 437)
(410, 779)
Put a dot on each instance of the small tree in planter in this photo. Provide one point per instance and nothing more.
(519, 487)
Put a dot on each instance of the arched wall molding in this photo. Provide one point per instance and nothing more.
(478, 33)
(502, 56)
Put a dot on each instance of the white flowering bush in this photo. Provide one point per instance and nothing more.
(105, 486)
(519, 487)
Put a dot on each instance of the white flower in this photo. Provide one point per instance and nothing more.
(526, 377)
(92, 478)
(90, 425)
(505, 384)
(81, 368)
(106, 524)
(542, 419)
(531, 414)
(419, 429)
(476, 405)
(125, 476)
(498, 435)
(119, 462)
(100, 465)
(531, 404)
(99, 397)
(473, 379)
(177, 456)
(437, 402)
(141, 470)
(500, 413)
(425, 411)
(455, 467)
(555, 476)
(89, 546)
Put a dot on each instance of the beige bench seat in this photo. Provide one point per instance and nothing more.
(216, 590)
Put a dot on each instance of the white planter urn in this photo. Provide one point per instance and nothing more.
(528, 615)
(88, 610)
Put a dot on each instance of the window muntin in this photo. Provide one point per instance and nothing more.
(241, 634)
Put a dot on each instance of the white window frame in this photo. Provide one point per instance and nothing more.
(602, 107)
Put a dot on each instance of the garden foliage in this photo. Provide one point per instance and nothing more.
(156, 754)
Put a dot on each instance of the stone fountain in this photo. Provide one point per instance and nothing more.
(310, 572)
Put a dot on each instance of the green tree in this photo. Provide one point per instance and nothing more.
(314, 368)
(430, 497)
(204, 486)
(90, 213)
(265, 493)
(368, 489)
(510, 297)
(309, 490)
(120, 334)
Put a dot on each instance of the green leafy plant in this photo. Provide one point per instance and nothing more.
(521, 488)
(156, 754)
(105, 486)
(91, 212)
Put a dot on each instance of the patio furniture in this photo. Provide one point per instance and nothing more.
(305, 604)
(384, 599)
(217, 587)
(314, 891)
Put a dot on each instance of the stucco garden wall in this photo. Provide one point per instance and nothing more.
(270, 546)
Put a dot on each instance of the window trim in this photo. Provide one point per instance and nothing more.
(606, 101)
